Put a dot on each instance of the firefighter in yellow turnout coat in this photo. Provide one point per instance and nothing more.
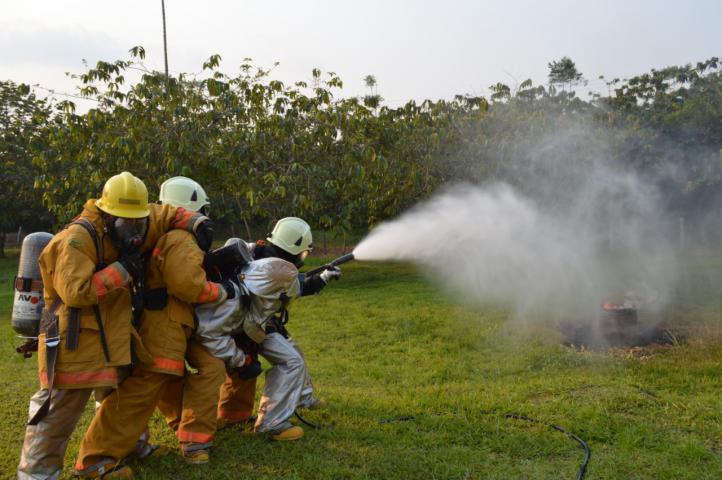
(175, 280)
(86, 330)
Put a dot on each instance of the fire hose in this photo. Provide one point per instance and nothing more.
(315, 426)
(342, 259)
(519, 416)
(512, 415)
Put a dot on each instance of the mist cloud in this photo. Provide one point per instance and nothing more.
(575, 230)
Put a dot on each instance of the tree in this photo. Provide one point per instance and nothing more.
(23, 120)
(373, 99)
(564, 72)
(264, 149)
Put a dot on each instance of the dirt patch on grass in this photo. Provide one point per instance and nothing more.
(638, 340)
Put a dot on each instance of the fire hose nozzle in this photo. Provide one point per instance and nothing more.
(343, 259)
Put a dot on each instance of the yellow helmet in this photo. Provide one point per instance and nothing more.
(124, 196)
(292, 235)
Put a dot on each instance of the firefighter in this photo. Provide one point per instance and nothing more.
(265, 286)
(190, 406)
(174, 281)
(89, 271)
(288, 384)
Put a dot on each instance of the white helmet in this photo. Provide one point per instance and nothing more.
(184, 192)
(292, 235)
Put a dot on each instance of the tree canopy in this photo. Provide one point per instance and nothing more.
(264, 149)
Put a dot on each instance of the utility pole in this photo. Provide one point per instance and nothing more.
(165, 46)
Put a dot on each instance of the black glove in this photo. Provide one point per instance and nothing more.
(204, 234)
(251, 369)
(228, 287)
(133, 264)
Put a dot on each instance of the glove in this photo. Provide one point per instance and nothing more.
(133, 264)
(251, 369)
(204, 234)
(227, 285)
(333, 273)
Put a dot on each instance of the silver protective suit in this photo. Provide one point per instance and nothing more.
(270, 282)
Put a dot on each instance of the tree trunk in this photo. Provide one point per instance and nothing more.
(2, 244)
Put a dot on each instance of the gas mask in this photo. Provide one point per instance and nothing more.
(300, 258)
(128, 233)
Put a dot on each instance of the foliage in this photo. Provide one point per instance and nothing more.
(563, 72)
(673, 117)
(23, 119)
(264, 149)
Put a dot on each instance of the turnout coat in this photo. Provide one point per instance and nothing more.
(175, 273)
(68, 268)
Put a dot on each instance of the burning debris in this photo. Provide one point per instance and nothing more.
(616, 322)
(628, 324)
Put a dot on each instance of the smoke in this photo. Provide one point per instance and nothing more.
(575, 230)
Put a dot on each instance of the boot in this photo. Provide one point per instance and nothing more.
(197, 457)
(291, 433)
(105, 470)
(196, 453)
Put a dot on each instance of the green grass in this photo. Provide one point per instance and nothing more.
(384, 343)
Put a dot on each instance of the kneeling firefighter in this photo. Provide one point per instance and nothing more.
(266, 286)
(89, 271)
(174, 282)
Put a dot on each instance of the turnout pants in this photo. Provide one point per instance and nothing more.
(194, 405)
(287, 386)
(122, 419)
(190, 405)
(45, 443)
(237, 398)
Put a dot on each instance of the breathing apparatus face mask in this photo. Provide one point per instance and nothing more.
(300, 258)
(129, 233)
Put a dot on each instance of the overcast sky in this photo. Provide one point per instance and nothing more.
(416, 49)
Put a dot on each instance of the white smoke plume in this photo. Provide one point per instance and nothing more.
(584, 233)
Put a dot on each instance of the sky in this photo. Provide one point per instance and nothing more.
(416, 49)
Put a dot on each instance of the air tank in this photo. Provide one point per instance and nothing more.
(28, 303)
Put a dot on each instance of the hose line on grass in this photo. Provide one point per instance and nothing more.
(307, 422)
(587, 452)
(519, 416)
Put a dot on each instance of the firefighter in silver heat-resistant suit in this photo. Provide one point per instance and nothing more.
(266, 286)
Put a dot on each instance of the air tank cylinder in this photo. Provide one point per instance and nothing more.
(28, 303)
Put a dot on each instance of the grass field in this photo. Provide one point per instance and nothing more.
(383, 344)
